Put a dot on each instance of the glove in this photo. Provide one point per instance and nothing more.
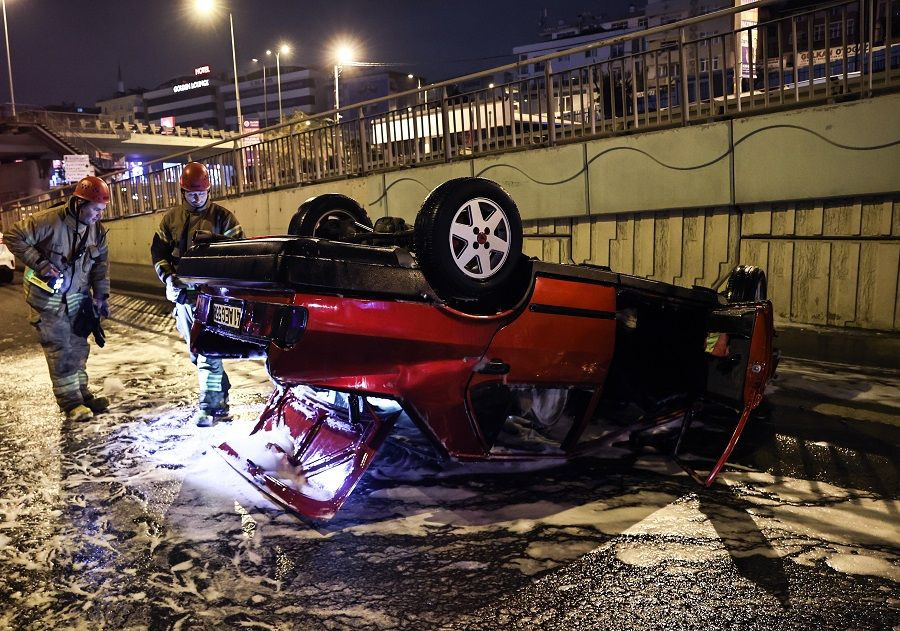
(175, 288)
(102, 307)
(47, 271)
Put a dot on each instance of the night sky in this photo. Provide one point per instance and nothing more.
(69, 50)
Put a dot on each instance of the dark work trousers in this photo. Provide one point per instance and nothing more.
(214, 384)
(66, 352)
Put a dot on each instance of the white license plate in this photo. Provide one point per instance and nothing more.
(227, 315)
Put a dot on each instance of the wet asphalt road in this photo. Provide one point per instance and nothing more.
(131, 522)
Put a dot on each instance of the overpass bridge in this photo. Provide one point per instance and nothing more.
(790, 161)
(41, 134)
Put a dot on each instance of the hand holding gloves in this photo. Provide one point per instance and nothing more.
(176, 289)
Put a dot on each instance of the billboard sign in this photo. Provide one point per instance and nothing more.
(76, 166)
(248, 126)
(193, 85)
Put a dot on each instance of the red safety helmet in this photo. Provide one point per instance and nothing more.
(93, 189)
(194, 177)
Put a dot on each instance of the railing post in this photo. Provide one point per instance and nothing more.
(634, 91)
(682, 72)
(550, 102)
(295, 155)
(363, 142)
(238, 167)
(445, 122)
(870, 9)
(151, 178)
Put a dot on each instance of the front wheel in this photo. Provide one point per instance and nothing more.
(468, 240)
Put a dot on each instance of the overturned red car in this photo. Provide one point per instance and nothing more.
(493, 355)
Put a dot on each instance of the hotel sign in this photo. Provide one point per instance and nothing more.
(202, 70)
(202, 83)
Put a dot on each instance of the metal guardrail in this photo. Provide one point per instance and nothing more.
(830, 51)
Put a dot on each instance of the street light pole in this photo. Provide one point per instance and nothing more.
(344, 54)
(278, 71)
(12, 96)
(265, 93)
(284, 48)
(237, 92)
(337, 92)
(265, 97)
(418, 87)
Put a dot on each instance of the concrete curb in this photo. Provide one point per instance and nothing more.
(840, 345)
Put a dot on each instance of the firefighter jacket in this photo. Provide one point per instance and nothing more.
(176, 233)
(77, 250)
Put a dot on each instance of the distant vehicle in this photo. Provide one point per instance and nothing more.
(493, 355)
(7, 263)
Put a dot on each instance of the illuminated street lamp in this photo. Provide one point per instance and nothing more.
(12, 96)
(265, 94)
(284, 48)
(344, 55)
(419, 87)
(209, 8)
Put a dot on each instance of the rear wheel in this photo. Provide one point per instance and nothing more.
(468, 241)
(332, 216)
(746, 283)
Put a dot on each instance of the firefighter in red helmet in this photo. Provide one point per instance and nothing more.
(174, 237)
(64, 251)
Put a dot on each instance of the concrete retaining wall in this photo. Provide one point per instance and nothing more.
(811, 195)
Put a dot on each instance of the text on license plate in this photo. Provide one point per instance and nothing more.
(227, 315)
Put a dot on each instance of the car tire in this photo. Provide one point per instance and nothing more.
(330, 216)
(6, 275)
(746, 283)
(468, 242)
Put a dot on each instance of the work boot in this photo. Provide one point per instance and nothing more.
(97, 404)
(79, 413)
(202, 418)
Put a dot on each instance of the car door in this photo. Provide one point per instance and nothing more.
(740, 360)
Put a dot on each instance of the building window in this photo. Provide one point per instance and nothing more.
(617, 50)
(703, 65)
(834, 31)
(615, 26)
(818, 32)
(642, 23)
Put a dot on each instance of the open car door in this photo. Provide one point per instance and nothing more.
(740, 360)
(310, 447)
